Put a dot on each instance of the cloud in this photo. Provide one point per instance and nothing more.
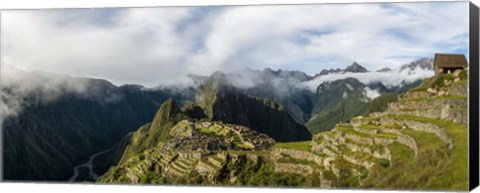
(370, 94)
(153, 46)
(24, 88)
(390, 79)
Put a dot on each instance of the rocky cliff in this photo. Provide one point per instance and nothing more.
(221, 101)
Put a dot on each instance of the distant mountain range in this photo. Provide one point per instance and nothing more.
(42, 141)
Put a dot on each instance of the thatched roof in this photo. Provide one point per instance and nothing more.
(450, 61)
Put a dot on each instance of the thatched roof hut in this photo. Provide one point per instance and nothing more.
(447, 63)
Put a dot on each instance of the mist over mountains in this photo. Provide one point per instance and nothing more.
(46, 117)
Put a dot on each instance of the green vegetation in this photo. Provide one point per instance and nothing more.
(221, 101)
(435, 167)
(437, 98)
(346, 178)
(439, 81)
(380, 103)
(352, 131)
(333, 108)
(370, 127)
(300, 145)
(386, 135)
(367, 118)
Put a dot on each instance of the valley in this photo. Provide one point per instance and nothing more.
(91, 175)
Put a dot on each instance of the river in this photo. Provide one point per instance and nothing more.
(89, 165)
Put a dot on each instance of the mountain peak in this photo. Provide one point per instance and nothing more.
(355, 67)
(386, 69)
(423, 63)
(165, 113)
(216, 80)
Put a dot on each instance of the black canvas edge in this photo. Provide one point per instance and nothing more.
(473, 98)
(1, 127)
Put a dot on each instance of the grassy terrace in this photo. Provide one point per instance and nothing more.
(288, 159)
(372, 147)
(346, 178)
(435, 168)
(358, 155)
(370, 127)
(298, 145)
(361, 134)
(426, 109)
(205, 161)
(331, 134)
(210, 132)
(436, 82)
(351, 131)
(330, 148)
(437, 98)
(385, 135)
(240, 152)
(367, 118)
(392, 126)
(318, 139)
(217, 158)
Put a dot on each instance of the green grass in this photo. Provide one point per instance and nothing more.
(331, 134)
(370, 127)
(291, 160)
(330, 149)
(434, 82)
(357, 155)
(298, 145)
(437, 98)
(367, 118)
(351, 131)
(319, 139)
(217, 159)
(392, 126)
(436, 167)
(380, 104)
(260, 153)
(386, 135)
(209, 132)
(346, 178)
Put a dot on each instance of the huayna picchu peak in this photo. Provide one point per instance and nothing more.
(222, 102)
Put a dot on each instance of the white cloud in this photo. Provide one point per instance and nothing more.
(370, 94)
(349, 87)
(146, 46)
(390, 79)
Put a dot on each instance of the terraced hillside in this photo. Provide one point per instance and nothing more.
(419, 142)
(196, 147)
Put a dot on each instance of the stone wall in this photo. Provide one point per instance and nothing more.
(355, 161)
(423, 127)
(297, 154)
(426, 104)
(404, 139)
(293, 168)
(358, 139)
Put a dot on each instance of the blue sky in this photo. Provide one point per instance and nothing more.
(152, 46)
